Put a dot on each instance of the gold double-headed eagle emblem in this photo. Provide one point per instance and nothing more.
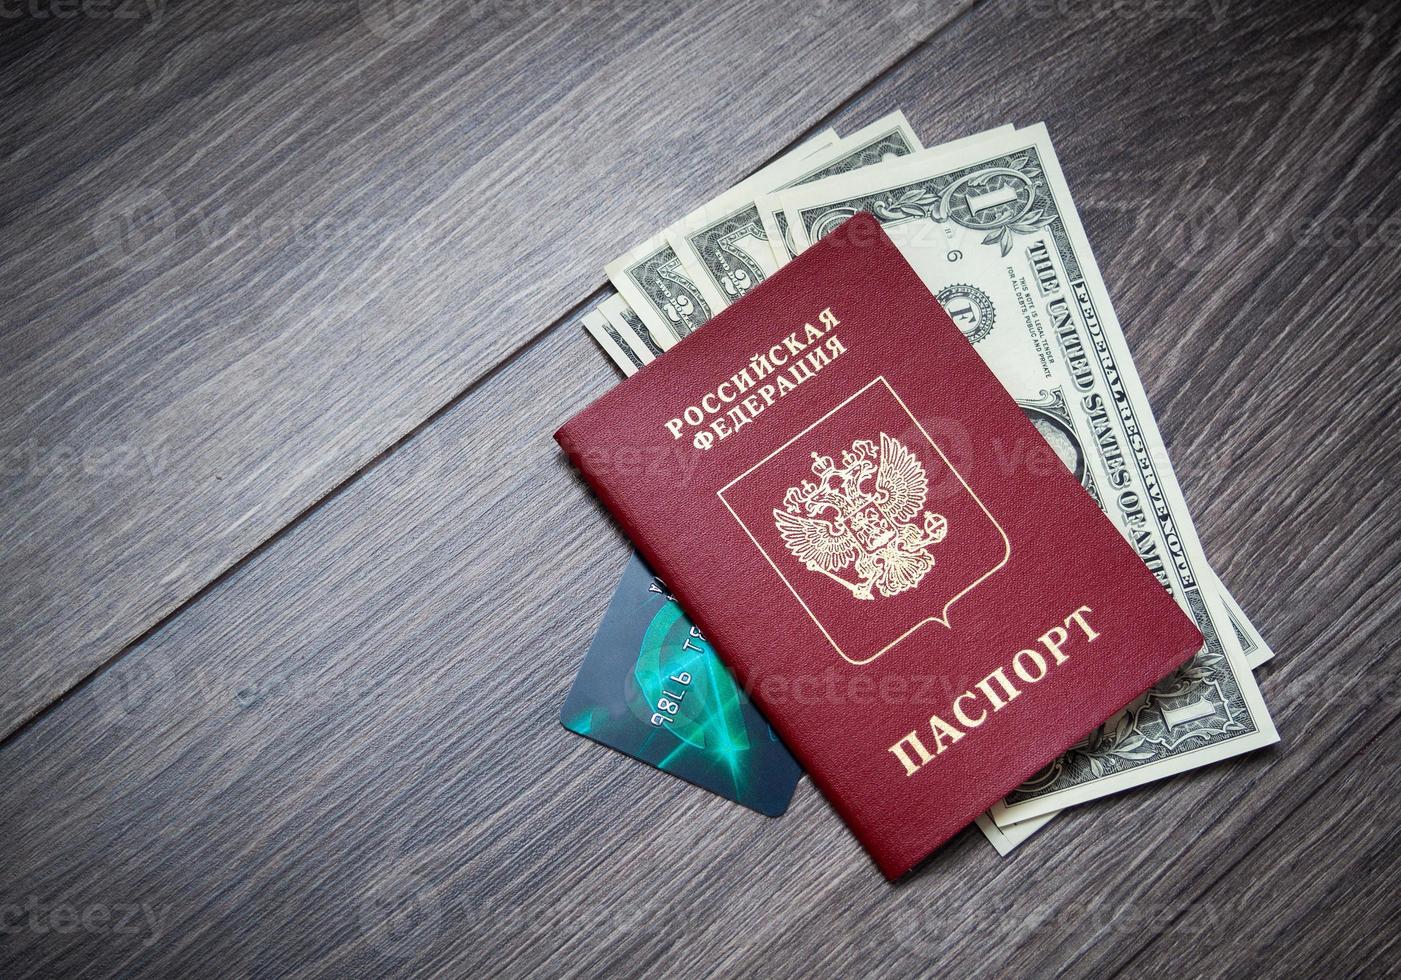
(864, 513)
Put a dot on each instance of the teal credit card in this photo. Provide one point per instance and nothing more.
(651, 687)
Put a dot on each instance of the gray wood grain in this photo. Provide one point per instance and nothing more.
(344, 758)
(245, 249)
(1321, 920)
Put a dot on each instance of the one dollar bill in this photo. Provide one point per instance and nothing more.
(1009, 838)
(877, 143)
(619, 351)
(668, 298)
(990, 227)
(726, 244)
(621, 334)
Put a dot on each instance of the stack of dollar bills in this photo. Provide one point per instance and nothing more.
(989, 224)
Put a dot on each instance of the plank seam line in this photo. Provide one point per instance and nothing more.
(369, 465)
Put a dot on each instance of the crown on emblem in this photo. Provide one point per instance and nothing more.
(838, 487)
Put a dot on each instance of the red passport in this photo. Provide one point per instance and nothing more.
(863, 523)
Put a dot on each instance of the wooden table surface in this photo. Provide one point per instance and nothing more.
(295, 581)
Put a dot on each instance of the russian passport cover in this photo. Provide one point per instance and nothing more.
(862, 522)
